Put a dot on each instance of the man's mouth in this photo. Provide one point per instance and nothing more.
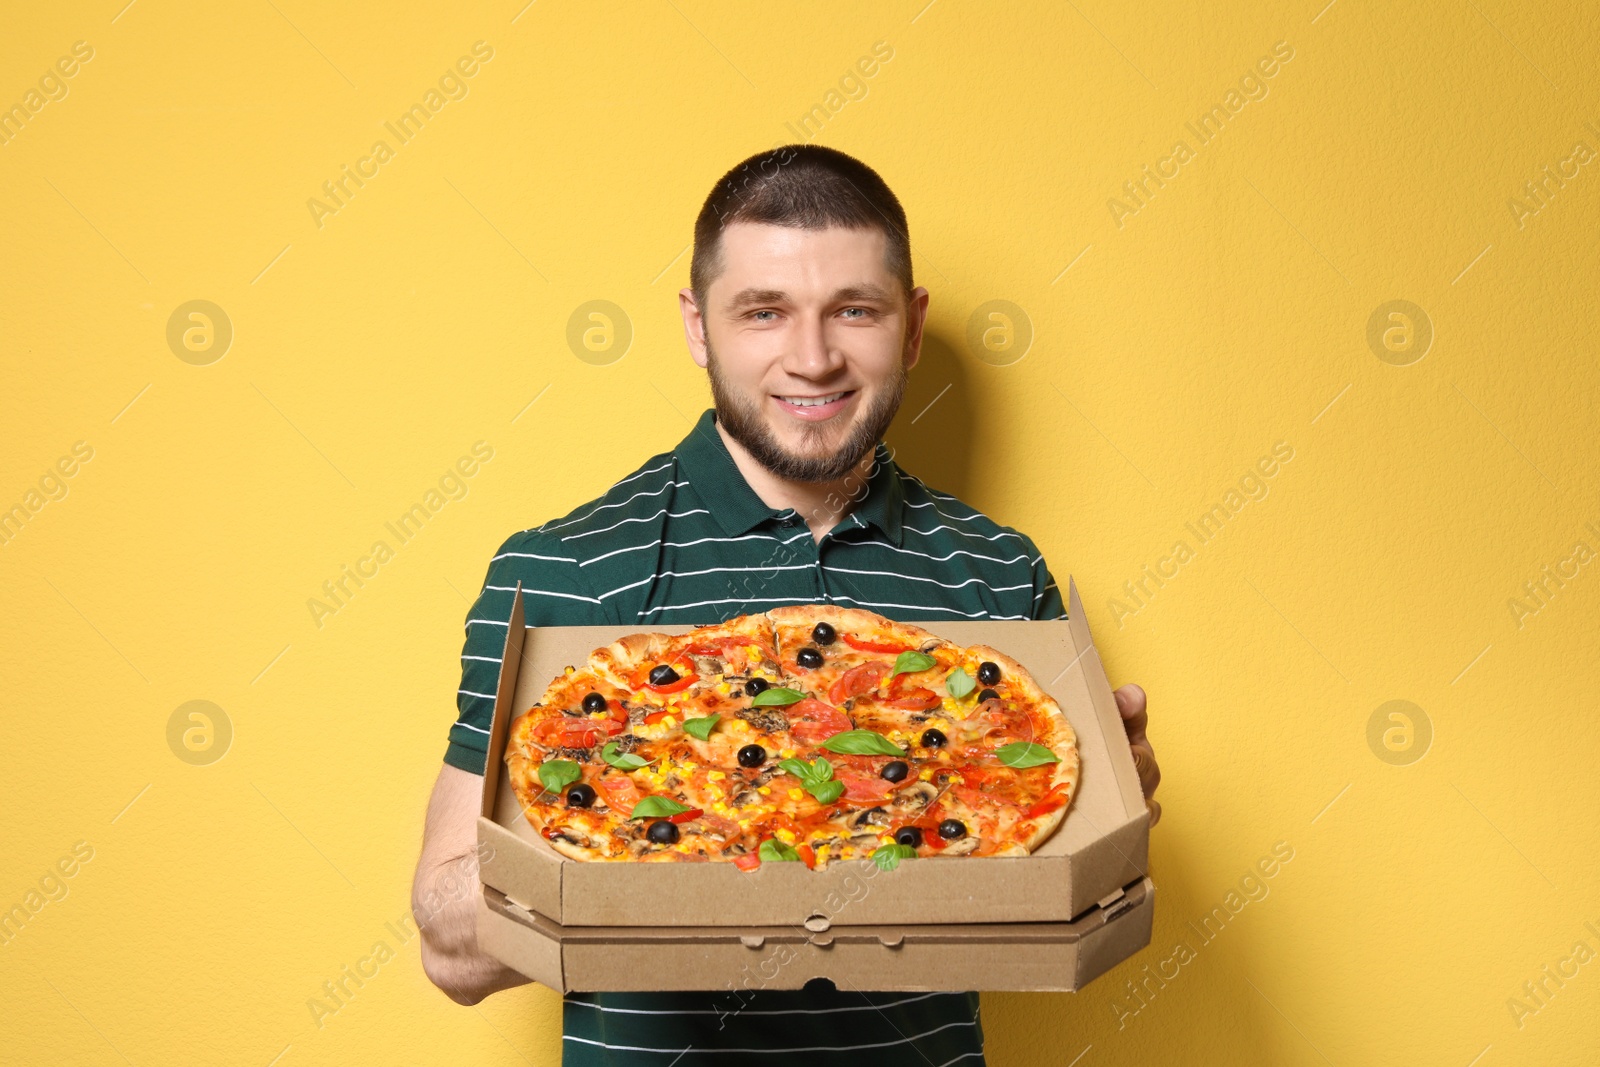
(814, 408)
(814, 401)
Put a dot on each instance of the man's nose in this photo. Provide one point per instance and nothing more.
(812, 355)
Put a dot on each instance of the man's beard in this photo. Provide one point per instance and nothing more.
(742, 419)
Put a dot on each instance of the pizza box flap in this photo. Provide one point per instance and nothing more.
(1100, 846)
(1031, 957)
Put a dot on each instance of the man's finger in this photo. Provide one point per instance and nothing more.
(1131, 705)
(1144, 761)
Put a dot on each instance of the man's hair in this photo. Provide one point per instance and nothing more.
(805, 186)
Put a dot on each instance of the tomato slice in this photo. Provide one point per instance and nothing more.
(684, 681)
(656, 716)
(817, 721)
(568, 733)
(858, 680)
(918, 699)
(862, 788)
(861, 644)
(747, 862)
(1050, 802)
(685, 816)
(621, 793)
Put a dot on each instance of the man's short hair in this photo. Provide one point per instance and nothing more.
(805, 186)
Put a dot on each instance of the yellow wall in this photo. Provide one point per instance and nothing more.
(1174, 345)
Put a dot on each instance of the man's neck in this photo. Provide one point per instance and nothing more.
(820, 504)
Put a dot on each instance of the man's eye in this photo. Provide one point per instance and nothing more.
(756, 315)
(864, 312)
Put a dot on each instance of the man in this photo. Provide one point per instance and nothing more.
(801, 309)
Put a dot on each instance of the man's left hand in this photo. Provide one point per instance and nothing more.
(1130, 702)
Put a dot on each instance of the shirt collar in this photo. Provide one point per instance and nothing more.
(705, 461)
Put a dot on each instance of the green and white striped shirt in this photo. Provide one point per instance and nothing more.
(684, 539)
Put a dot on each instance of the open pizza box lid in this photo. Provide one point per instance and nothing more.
(1026, 957)
(1100, 848)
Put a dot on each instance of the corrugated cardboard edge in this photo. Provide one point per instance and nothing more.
(1030, 957)
(502, 842)
(1127, 845)
(1105, 704)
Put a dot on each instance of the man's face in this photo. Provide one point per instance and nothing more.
(807, 338)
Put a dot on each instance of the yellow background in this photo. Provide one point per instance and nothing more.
(1229, 313)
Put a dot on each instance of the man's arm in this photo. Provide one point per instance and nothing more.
(445, 892)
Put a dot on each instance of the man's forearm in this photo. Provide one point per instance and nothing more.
(444, 900)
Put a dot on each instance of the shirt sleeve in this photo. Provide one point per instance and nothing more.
(1047, 601)
(553, 594)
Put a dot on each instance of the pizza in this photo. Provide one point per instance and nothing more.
(810, 733)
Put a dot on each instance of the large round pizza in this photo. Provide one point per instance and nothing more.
(810, 733)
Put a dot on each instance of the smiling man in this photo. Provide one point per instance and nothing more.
(801, 309)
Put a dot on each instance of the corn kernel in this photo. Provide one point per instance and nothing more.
(786, 836)
(796, 794)
(764, 790)
(787, 753)
(716, 776)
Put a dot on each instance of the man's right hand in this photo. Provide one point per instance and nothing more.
(445, 892)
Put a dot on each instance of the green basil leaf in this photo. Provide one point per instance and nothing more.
(777, 697)
(774, 851)
(862, 743)
(625, 761)
(701, 728)
(912, 662)
(1021, 754)
(960, 683)
(799, 768)
(657, 808)
(557, 774)
(827, 791)
(888, 857)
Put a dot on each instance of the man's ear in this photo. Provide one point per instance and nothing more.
(916, 318)
(694, 326)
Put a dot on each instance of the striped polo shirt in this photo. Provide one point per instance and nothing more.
(685, 540)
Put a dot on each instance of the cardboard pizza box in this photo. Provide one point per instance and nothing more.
(1100, 848)
(1028, 957)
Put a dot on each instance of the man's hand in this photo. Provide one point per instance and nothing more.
(1130, 702)
(444, 896)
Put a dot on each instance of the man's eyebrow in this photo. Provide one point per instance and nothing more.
(753, 297)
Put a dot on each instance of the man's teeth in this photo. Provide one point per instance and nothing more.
(811, 401)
